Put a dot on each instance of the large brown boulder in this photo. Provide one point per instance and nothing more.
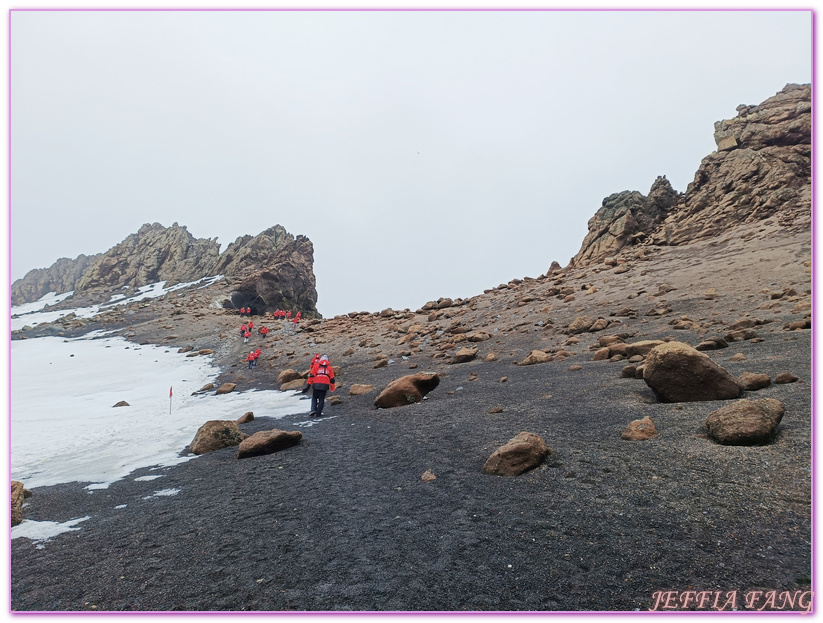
(676, 372)
(18, 493)
(288, 375)
(745, 422)
(267, 442)
(215, 435)
(407, 390)
(523, 452)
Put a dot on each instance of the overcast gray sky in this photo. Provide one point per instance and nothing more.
(424, 153)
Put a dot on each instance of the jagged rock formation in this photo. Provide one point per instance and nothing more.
(59, 277)
(273, 269)
(623, 219)
(761, 169)
(155, 253)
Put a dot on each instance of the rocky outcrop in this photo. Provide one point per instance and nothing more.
(59, 277)
(745, 422)
(523, 452)
(273, 269)
(268, 442)
(215, 435)
(624, 219)
(407, 390)
(761, 170)
(676, 372)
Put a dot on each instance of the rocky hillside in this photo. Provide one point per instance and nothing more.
(273, 269)
(761, 169)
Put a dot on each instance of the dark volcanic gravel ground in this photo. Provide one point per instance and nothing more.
(343, 521)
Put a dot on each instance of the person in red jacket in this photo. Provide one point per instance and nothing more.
(243, 329)
(250, 359)
(251, 325)
(246, 336)
(256, 356)
(298, 315)
(321, 379)
(242, 311)
(264, 330)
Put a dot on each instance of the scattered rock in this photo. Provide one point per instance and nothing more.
(639, 430)
(785, 377)
(738, 357)
(226, 388)
(247, 417)
(523, 452)
(745, 422)
(535, 357)
(642, 347)
(215, 435)
(601, 354)
(428, 476)
(628, 372)
(575, 368)
(358, 390)
(580, 325)
(740, 335)
(287, 376)
(751, 381)
(18, 493)
(496, 410)
(122, 403)
(296, 384)
(268, 442)
(598, 325)
(676, 372)
(407, 390)
(464, 355)
(206, 388)
(335, 400)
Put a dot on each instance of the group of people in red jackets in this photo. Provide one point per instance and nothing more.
(321, 380)
(253, 357)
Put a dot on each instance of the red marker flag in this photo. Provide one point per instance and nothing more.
(169, 400)
(169, 392)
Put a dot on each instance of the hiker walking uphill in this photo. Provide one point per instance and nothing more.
(321, 379)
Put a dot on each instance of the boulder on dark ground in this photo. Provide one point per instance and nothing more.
(407, 390)
(267, 442)
(676, 372)
(785, 377)
(751, 381)
(745, 422)
(639, 430)
(215, 435)
(358, 389)
(523, 452)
